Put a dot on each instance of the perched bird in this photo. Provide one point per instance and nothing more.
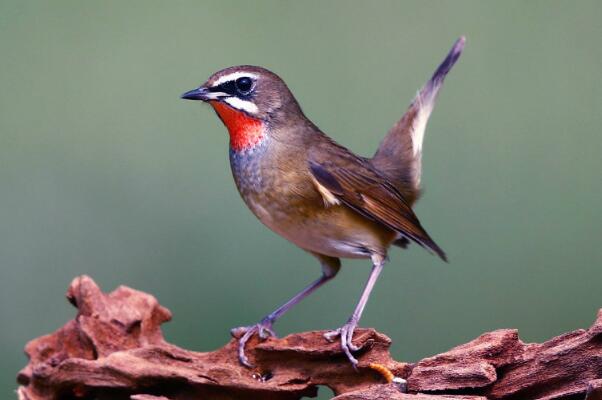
(313, 191)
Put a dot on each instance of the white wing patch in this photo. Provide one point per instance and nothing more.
(329, 198)
(242, 105)
(232, 77)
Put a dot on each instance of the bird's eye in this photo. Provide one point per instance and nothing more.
(244, 85)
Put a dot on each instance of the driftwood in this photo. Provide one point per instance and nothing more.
(114, 349)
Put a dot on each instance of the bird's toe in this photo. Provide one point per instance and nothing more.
(345, 333)
(237, 332)
(331, 335)
(244, 334)
(353, 347)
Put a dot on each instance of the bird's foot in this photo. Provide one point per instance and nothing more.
(263, 329)
(345, 332)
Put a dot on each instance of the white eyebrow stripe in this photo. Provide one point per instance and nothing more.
(243, 105)
(232, 77)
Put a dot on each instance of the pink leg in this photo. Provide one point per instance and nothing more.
(330, 267)
(346, 331)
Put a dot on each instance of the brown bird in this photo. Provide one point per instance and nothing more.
(313, 191)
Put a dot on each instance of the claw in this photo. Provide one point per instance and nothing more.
(345, 332)
(243, 333)
(353, 347)
(265, 332)
(330, 335)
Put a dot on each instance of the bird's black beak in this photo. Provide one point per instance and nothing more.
(200, 93)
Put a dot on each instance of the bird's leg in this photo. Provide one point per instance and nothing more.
(330, 267)
(346, 331)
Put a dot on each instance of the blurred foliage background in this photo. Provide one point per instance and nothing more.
(105, 171)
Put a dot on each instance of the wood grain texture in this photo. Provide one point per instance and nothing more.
(114, 349)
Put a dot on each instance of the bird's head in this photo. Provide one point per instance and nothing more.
(246, 98)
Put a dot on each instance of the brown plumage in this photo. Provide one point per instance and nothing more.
(361, 187)
(313, 191)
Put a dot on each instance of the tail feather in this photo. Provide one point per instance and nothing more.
(399, 156)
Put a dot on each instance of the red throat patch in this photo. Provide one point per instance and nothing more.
(245, 132)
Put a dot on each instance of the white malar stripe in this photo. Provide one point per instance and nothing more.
(242, 105)
(233, 76)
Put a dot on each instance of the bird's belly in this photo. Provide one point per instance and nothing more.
(334, 231)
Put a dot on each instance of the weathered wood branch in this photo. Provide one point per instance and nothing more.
(114, 349)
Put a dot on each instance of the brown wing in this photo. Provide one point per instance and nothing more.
(355, 183)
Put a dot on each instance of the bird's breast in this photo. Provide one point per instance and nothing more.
(270, 186)
(248, 169)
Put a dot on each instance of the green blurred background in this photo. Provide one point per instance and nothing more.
(105, 171)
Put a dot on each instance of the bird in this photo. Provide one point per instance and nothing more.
(316, 193)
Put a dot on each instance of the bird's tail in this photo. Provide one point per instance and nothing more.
(399, 155)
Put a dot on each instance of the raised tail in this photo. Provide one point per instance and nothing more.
(399, 156)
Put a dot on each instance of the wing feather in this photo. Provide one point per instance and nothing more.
(359, 186)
